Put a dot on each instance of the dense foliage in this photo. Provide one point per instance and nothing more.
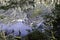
(52, 20)
(16, 3)
(3, 36)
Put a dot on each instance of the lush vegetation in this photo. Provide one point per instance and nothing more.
(52, 20)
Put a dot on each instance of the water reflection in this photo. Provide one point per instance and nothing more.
(19, 26)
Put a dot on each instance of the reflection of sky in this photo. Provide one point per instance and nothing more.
(20, 26)
(17, 27)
